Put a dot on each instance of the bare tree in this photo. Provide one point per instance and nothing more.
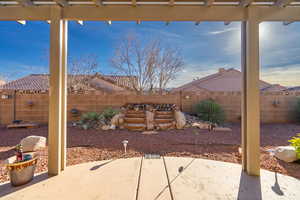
(152, 64)
(81, 71)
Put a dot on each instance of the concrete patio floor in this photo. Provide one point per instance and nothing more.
(155, 179)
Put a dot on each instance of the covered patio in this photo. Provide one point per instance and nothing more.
(162, 179)
(249, 12)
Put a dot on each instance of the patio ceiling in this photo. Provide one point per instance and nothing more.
(250, 12)
(153, 10)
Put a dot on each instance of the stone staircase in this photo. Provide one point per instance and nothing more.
(136, 120)
(164, 119)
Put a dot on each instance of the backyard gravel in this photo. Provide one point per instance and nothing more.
(93, 145)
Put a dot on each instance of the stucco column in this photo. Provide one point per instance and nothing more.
(64, 95)
(250, 95)
(55, 92)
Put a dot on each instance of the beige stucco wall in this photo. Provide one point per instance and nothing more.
(280, 111)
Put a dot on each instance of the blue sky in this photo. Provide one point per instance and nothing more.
(205, 47)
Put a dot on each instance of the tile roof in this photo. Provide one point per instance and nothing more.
(225, 80)
(274, 88)
(40, 82)
(297, 88)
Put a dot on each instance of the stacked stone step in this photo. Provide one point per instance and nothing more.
(164, 119)
(135, 120)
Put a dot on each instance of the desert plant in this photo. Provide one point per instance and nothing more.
(90, 120)
(91, 116)
(108, 114)
(295, 142)
(210, 111)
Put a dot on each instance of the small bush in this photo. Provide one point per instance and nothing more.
(109, 113)
(95, 120)
(295, 142)
(91, 116)
(210, 111)
(298, 111)
(90, 120)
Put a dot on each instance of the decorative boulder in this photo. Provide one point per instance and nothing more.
(117, 120)
(105, 127)
(149, 120)
(286, 153)
(33, 143)
(201, 125)
(180, 119)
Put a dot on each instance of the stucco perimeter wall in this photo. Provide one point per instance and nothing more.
(33, 107)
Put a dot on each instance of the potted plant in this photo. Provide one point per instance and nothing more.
(21, 167)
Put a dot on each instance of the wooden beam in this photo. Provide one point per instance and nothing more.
(55, 87)
(244, 99)
(10, 13)
(80, 22)
(25, 2)
(133, 2)
(287, 23)
(23, 22)
(64, 94)
(250, 95)
(171, 2)
(274, 13)
(62, 3)
(283, 3)
(162, 13)
(98, 2)
(245, 3)
(209, 2)
(145, 13)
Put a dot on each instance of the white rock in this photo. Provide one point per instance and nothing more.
(150, 120)
(33, 143)
(222, 129)
(286, 153)
(105, 127)
(117, 120)
(201, 125)
(180, 119)
(113, 127)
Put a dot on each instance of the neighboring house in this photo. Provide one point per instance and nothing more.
(225, 80)
(293, 89)
(40, 82)
(274, 88)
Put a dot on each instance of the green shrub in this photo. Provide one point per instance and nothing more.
(94, 119)
(109, 113)
(210, 111)
(295, 142)
(91, 116)
(90, 120)
(298, 111)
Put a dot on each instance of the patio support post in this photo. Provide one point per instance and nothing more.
(55, 92)
(250, 95)
(64, 94)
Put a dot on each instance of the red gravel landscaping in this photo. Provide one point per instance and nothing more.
(93, 145)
